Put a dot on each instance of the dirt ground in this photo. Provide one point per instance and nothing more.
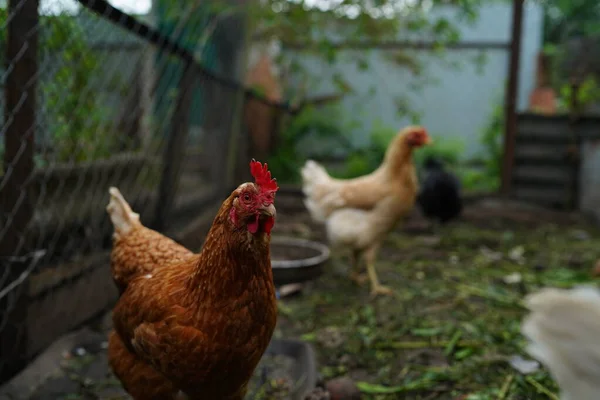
(451, 332)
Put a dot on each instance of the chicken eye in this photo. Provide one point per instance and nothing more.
(246, 197)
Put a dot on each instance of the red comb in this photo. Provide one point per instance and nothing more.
(262, 176)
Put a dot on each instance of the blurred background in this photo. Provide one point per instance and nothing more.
(169, 100)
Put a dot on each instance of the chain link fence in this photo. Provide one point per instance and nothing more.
(94, 98)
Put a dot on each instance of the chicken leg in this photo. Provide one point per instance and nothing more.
(376, 287)
(355, 273)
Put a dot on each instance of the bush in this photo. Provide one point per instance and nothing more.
(366, 160)
(314, 130)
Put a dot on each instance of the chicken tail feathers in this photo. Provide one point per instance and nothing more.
(121, 215)
(313, 174)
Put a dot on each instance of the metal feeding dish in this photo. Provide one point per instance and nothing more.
(297, 260)
(293, 360)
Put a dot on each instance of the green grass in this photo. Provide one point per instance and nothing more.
(447, 335)
(455, 322)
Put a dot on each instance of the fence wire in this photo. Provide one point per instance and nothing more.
(89, 103)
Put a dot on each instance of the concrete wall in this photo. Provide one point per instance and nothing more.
(455, 102)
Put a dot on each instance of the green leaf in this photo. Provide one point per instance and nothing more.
(426, 332)
(372, 388)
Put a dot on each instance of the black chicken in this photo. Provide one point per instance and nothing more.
(439, 198)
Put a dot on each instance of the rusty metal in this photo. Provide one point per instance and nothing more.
(511, 96)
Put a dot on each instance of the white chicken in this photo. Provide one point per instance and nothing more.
(563, 329)
(358, 213)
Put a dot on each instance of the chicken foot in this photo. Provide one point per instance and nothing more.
(355, 273)
(376, 287)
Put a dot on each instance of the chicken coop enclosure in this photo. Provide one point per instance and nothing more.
(555, 162)
(94, 98)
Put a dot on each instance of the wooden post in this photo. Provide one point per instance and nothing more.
(511, 96)
(576, 145)
(16, 204)
(175, 149)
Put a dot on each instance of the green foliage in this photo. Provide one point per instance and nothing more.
(366, 160)
(448, 150)
(319, 126)
(75, 113)
(587, 94)
(487, 177)
(72, 110)
(492, 143)
(564, 22)
(477, 180)
(565, 19)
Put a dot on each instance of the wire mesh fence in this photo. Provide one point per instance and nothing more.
(95, 98)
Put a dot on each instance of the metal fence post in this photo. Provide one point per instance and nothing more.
(16, 204)
(175, 149)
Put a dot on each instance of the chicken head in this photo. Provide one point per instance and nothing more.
(416, 136)
(253, 207)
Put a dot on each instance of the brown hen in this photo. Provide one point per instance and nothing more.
(196, 327)
(137, 250)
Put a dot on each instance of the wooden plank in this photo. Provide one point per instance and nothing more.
(559, 174)
(542, 152)
(543, 128)
(589, 128)
(536, 138)
(541, 161)
(558, 197)
(537, 118)
(16, 203)
(176, 141)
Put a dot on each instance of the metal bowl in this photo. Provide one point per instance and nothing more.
(297, 260)
(305, 373)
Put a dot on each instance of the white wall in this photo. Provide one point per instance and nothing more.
(455, 102)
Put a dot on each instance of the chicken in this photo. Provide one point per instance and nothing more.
(137, 250)
(439, 198)
(195, 326)
(358, 213)
(563, 328)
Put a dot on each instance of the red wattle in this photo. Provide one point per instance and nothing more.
(269, 224)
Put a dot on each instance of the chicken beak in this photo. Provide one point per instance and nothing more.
(428, 140)
(269, 211)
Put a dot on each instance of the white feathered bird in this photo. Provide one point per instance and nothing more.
(563, 329)
(358, 213)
